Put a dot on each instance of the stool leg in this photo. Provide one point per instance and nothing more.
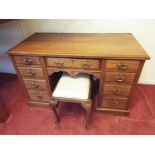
(53, 105)
(87, 106)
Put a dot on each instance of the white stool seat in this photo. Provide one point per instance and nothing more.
(73, 87)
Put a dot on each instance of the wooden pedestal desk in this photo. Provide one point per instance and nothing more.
(116, 59)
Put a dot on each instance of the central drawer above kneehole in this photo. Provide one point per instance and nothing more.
(73, 63)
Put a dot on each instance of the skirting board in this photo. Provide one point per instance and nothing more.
(152, 82)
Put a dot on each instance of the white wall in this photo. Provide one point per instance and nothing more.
(143, 30)
(10, 34)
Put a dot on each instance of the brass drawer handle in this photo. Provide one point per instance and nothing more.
(86, 65)
(116, 91)
(122, 65)
(119, 78)
(40, 97)
(58, 64)
(114, 102)
(34, 86)
(30, 73)
(28, 61)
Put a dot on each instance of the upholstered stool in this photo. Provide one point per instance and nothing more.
(74, 89)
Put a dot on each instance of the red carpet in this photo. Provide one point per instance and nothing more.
(29, 120)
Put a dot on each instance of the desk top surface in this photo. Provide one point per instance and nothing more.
(93, 45)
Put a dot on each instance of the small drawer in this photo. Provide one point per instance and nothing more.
(27, 60)
(122, 65)
(31, 72)
(114, 103)
(117, 90)
(35, 84)
(73, 63)
(39, 96)
(119, 77)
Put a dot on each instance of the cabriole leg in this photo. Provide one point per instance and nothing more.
(87, 106)
(53, 105)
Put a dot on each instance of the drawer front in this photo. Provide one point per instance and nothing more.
(114, 103)
(39, 96)
(35, 84)
(122, 65)
(31, 72)
(119, 77)
(117, 90)
(27, 60)
(73, 63)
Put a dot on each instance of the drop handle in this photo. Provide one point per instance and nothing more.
(122, 65)
(116, 91)
(28, 61)
(30, 73)
(34, 86)
(86, 65)
(114, 102)
(119, 78)
(40, 97)
(58, 64)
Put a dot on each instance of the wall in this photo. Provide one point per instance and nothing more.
(143, 30)
(10, 34)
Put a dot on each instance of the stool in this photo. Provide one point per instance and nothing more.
(74, 89)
